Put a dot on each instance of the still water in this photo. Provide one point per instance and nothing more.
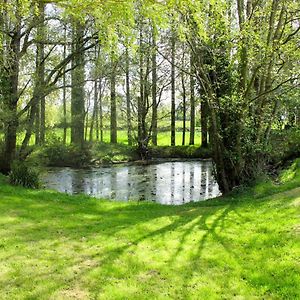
(175, 182)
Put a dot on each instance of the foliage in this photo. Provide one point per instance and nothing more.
(285, 145)
(179, 152)
(113, 153)
(55, 153)
(22, 174)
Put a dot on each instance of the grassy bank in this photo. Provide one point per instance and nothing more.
(244, 246)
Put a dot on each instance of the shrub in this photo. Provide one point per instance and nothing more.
(57, 154)
(21, 174)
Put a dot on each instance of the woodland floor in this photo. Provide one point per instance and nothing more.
(243, 246)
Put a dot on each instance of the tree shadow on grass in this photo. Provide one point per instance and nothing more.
(49, 218)
(54, 219)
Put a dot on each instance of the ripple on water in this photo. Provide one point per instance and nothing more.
(166, 183)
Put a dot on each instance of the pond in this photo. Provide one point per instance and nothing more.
(173, 183)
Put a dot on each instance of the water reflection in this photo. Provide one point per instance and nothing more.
(166, 183)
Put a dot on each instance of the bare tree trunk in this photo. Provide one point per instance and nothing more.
(204, 123)
(173, 108)
(37, 123)
(154, 89)
(128, 101)
(113, 106)
(95, 110)
(192, 100)
(142, 95)
(40, 80)
(65, 90)
(100, 111)
(77, 94)
(41, 70)
(97, 115)
(183, 108)
(30, 124)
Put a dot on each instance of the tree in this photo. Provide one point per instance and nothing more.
(239, 79)
(77, 92)
(192, 101)
(128, 98)
(173, 89)
(113, 104)
(154, 88)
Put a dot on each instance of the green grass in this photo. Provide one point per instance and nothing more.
(163, 138)
(244, 246)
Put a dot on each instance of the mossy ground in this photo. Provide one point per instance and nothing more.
(243, 246)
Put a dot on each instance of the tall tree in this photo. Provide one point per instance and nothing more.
(192, 102)
(204, 123)
(10, 80)
(65, 125)
(173, 89)
(77, 91)
(183, 107)
(113, 104)
(128, 98)
(154, 88)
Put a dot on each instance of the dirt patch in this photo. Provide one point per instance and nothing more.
(75, 293)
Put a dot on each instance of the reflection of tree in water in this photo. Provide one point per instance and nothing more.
(113, 183)
(142, 173)
(78, 185)
(183, 182)
(176, 182)
(203, 180)
(210, 181)
(192, 181)
(154, 172)
(172, 177)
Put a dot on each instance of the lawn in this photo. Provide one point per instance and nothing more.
(163, 137)
(244, 246)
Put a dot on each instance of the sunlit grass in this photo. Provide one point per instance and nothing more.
(54, 246)
(163, 138)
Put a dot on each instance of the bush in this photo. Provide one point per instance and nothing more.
(21, 174)
(56, 154)
(180, 152)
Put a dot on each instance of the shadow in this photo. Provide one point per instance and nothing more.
(74, 230)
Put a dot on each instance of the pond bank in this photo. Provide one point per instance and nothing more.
(98, 154)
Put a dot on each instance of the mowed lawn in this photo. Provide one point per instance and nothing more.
(163, 137)
(246, 246)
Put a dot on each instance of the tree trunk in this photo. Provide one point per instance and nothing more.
(128, 101)
(100, 110)
(192, 112)
(113, 105)
(141, 96)
(95, 110)
(154, 89)
(37, 123)
(41, 70)
(173, 123)
(29, 126)
(204, 123)
(183, 108)
(10, 97)
(77, 93)
(65, 91)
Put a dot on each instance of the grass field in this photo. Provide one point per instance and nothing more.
(244, 246)
(164, 137)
